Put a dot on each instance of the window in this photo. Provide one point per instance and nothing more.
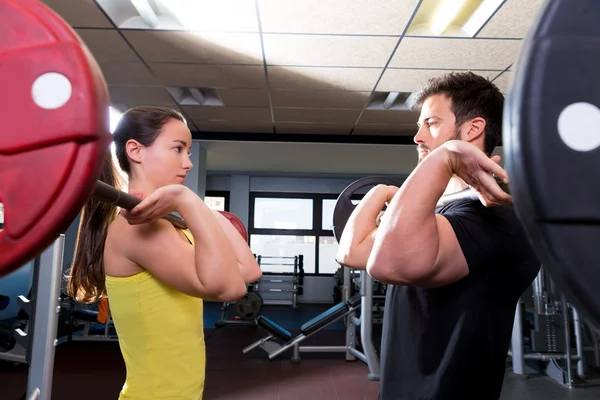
(327, 250)
(283, 213)
(290, 224)
(327, 217)
(217, 200)
(284, 246)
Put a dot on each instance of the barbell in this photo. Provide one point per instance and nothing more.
(55, 137)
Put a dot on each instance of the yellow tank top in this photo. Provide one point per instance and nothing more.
(161, 336)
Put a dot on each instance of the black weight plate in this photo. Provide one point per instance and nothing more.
(552, 146)
(344, 207)
(249, 306)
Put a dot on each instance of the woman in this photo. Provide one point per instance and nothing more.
(154, 274)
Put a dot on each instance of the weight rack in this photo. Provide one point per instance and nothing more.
(43, 308)
(293, 285)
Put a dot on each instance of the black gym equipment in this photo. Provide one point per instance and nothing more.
(554, 173)
(247, 308)
(344, 206)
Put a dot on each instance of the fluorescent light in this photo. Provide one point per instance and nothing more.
(445, 14)
(114, 117)
(146, 13)
(481, 15)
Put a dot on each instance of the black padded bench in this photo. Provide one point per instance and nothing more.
(273, 328)
(355, 300)
(85, 315)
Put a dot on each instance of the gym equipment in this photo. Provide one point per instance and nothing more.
(60, 87)
(552, 146)
(112, 195)
(97, 325)
(279, 340)
(284, 288)
(550, 349)
(248, 308)
(236, 222)
(4, 302)
(56, 132)
(344, 206)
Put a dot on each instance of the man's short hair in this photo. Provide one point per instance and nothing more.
(471, 96)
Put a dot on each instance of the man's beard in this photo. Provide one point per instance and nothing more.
(423, 150)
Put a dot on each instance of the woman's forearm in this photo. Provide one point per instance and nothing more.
(248, 266)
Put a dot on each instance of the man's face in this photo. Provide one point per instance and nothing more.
(437, 125)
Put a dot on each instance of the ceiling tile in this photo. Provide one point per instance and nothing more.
(383, 17)
(449, 53)
(211, 76)
(319, 99)
(79, 14)
(412, 80)
(196, 47)
(314, 78)
(234, 126)
(315, 115)
(107, 45)
(313, 128)
(336, 51)
(196, 15)
(395, 117)
(513, 19)
(385, 130)
(503, 81)
(244, 98)
(124, 97)
(212, 114)
(127, 73)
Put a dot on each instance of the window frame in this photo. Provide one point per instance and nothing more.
(220, 193)
(317, 217)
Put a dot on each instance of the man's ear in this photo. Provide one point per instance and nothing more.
(473, 129)
(134, 150)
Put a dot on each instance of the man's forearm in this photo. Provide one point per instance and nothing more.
(406, 243)
(359, 233)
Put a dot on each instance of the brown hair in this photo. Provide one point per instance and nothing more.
(471, 96)
(86, 278)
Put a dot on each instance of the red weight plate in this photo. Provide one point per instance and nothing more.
(237, 223)
(51, 151)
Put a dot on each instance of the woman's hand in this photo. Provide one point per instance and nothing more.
(477, 169)
(161, 202)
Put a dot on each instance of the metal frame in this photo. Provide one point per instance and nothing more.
(365, 322)
(559, 366)
(36, 346)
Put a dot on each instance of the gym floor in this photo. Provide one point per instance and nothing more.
(95, 370)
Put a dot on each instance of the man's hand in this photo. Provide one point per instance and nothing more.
(476, 169)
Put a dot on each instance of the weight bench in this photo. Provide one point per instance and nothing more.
(275, 348)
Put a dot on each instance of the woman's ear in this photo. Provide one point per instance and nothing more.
(134, 150)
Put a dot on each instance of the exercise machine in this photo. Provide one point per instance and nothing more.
(558, 337)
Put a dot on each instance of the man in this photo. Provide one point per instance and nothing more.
(455, 273)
